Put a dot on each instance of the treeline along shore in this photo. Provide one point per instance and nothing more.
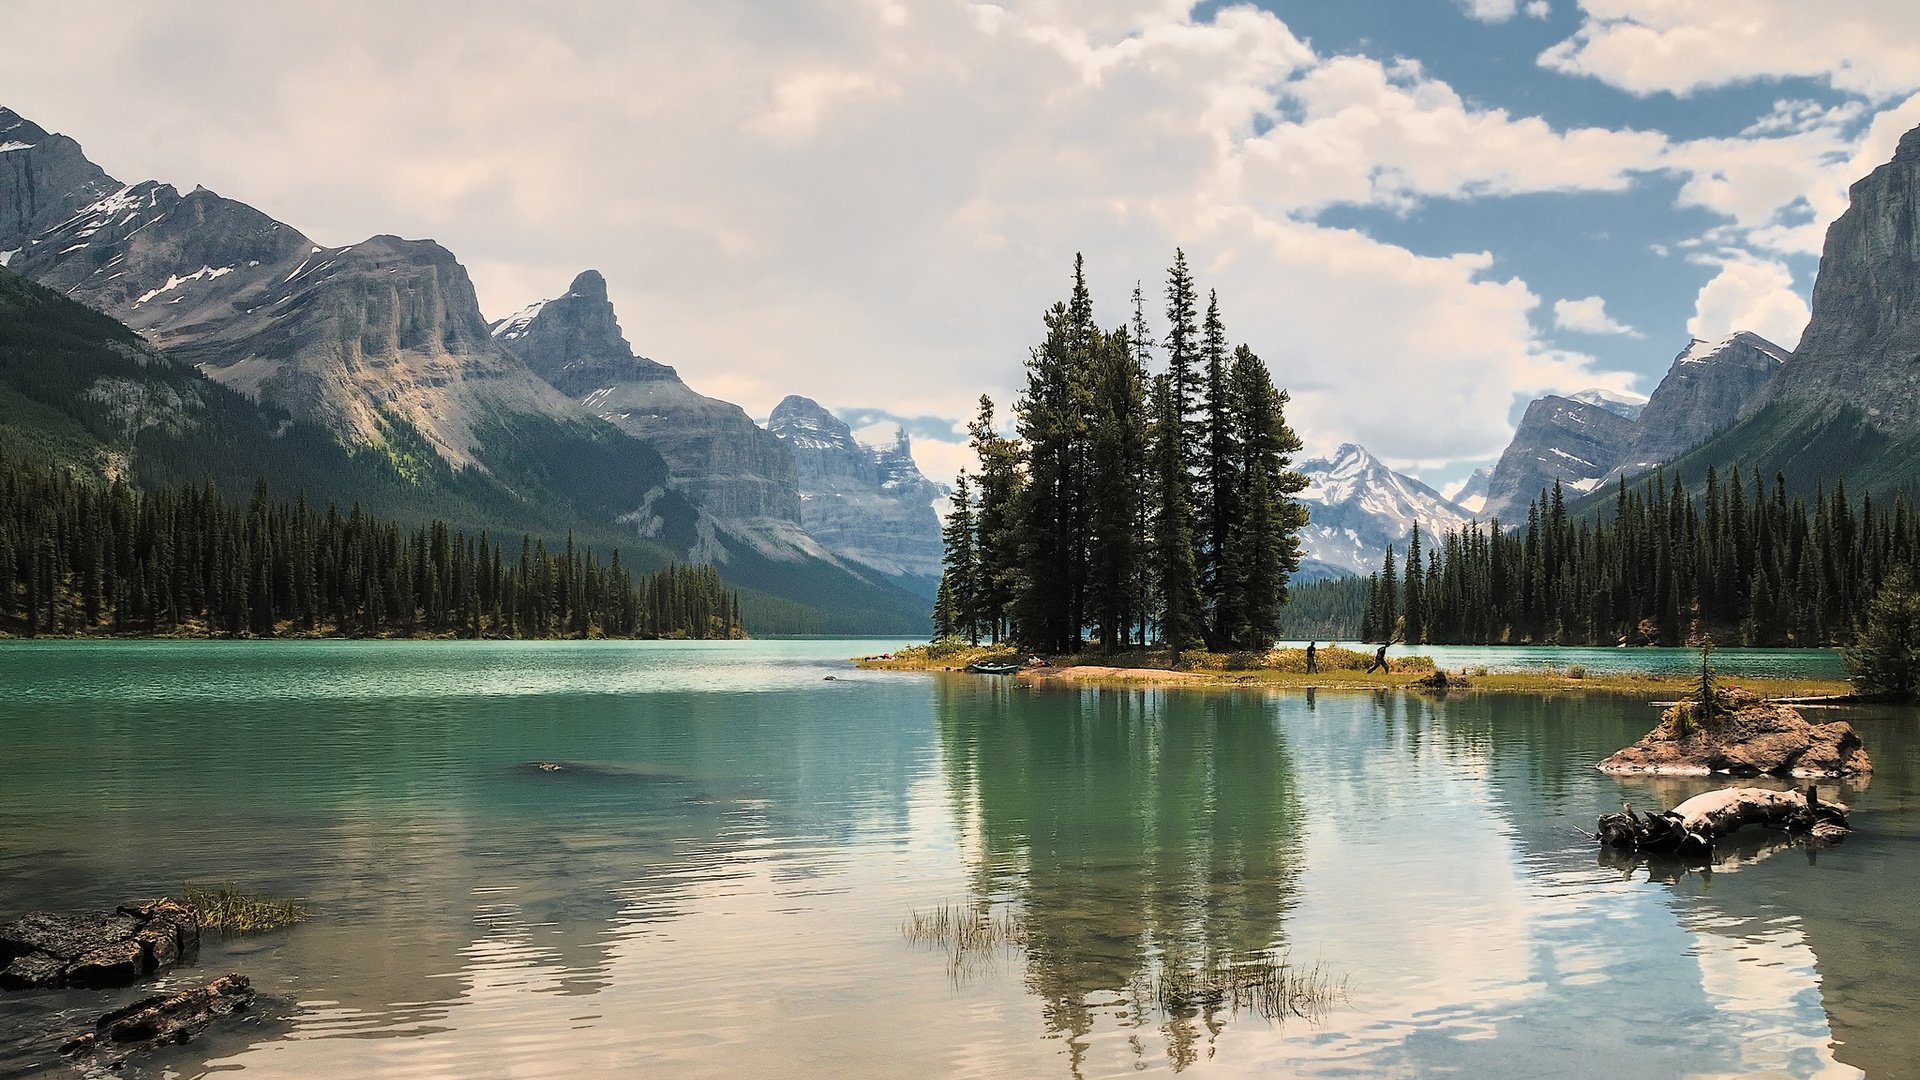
(80, 556)
(1743, 562)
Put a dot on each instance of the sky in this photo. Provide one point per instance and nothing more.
(1421, 213)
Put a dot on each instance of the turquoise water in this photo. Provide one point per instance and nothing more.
(1734, 663)
(715, 884)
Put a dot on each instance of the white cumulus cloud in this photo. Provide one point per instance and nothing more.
(1748, 293)
(1869, 47)
(1589, 316)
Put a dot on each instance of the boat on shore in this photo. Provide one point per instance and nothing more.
(987, 667)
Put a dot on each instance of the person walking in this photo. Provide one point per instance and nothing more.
(1313, 664)
(1380, 660)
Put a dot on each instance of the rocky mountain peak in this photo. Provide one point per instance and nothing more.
(44, 179)
(574, 341)
(804, 422)
(1908, 152)
(1614, 401)
(869, 505)
(589, 285)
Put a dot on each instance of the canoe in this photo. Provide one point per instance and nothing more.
(983, 668)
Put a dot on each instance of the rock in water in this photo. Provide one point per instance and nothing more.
(164, 1018)
(44, 950)
(1745, 737)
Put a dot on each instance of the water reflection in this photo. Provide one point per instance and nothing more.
(713, 887)
(1141, 834)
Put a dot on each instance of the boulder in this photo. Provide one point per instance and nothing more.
(1744, 736)
(46, 950)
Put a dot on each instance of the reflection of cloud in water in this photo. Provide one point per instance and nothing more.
(1762, 979)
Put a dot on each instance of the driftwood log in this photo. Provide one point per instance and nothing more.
(164, 1018)
(1689, 830)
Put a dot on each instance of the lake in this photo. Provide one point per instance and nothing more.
(715, 883)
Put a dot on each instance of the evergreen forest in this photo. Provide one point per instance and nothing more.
(1130, 506)
(1742, 561)
(79, 556)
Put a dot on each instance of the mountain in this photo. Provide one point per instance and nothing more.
(1614, 401)
(44, 180)
(736, 472)
(1710, 386)
(1357, 506)
(869, 505)
(1847, 407)
(1588, 440)
(1471, 495)
(1558, 440)
(381, 345)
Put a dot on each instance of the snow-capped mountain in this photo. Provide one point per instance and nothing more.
(1358, 506)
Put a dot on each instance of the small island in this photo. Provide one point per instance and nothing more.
(1337, 669)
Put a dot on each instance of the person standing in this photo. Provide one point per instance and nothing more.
(1313, 663)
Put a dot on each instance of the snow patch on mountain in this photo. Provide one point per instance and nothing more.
(1617, 402)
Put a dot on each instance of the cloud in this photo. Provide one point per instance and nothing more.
(1867, 47)
(916, 427)
(868, 201)
(1589, 316)
(1538, 9)
(1492, 11)
(1748, 293)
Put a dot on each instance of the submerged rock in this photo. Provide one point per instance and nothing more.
(163, 1018)
(45, 950)
(1745, 736)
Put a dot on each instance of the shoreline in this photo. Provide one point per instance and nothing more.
(1285, 669)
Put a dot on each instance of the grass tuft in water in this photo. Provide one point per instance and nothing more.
(970, 935)
(226, 909)
(1266, 983)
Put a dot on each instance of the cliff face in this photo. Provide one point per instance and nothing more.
(729, 466)
(867, 505)
(1862, 346)
(352, 339)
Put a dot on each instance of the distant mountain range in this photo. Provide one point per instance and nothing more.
(381, 348)
(232, 345)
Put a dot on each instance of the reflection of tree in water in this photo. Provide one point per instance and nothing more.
(1139, 831)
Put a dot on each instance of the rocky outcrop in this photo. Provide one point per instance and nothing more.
(1356, 506)
(1861, 343)
(160, 1020)
(45, 950)
(1744, 736)
(44, 180)
(727, 465)
(1559, 440)
(869, 505)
